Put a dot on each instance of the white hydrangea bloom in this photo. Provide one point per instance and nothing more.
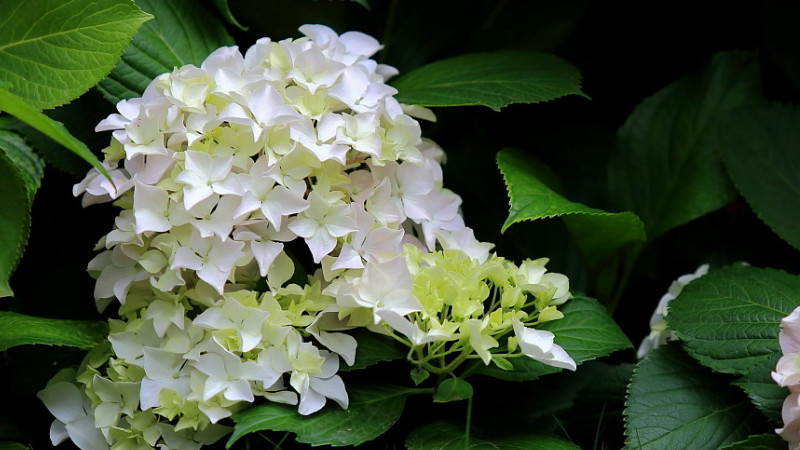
(221, 170)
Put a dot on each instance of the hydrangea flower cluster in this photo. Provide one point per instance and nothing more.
(787, 374)
(224, 170)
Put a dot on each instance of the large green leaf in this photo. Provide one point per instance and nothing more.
(373, 348)
(443, 435)
(598, 233)
(14, 220)
(586, 332)
(19, 329)
(491, 79)
(52, 51)
(30, 167)
(675, 403)
(667, 167)
(182, 32)
(760, 149)
(17, 107)
(730, 318)
(373, 409)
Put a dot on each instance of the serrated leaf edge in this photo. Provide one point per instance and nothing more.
(24, 225)
(592, 212)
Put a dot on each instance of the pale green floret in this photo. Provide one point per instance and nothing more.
(468, 307)
(191, 418)
(171, 403)
(136, 432)
(120, 371)
(301, 304)
(114, 152)
(550, 313)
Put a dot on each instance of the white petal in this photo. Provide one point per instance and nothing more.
(320, 244)
(239, 390)
(340, 343)
(561, 359)
(360, 43)
(399, 323)
(310, 402)
(214, 413)
(265, 254)
(285, 397)
(63, 400)
(85, 435)
(304, 227)
(150, 208)
(332, 388)
(58, 432)
(148, 395)
(348, 259)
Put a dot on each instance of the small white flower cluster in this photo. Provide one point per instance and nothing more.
(217, 168)
(787, 374)
(659, 333)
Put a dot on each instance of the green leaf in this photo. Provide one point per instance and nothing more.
(225, 10)
(52, 51)
(585, 332)
(49, 127)
(590, 398)
(758, 442)
(419, 375)
(373, 348)
(762, 389)
(667, 167)
(675, 403)
(760, 151)
(15, 220)
(182, 32)
(754, 301)
(12, 446)
(502, 363)
(599, 405)
(373, 409)
(30, 167)
(79, 117)
(492, 79)
(451, 390)
(523, 369)
(729, 319)
(598, 233)
(443, 435)
(19, 329)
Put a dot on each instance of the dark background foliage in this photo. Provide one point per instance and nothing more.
(626, 51)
